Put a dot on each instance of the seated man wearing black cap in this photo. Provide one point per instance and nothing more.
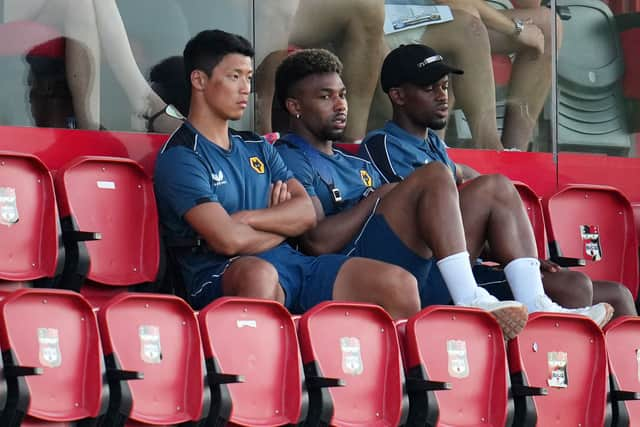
(415, 77)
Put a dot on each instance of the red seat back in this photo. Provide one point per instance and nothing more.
(622, 336)
(158, 336)
(359, 344)
(533, 205)
(464, 347)
(114, 197)
(29, 227)
(57, 331)
(596, 223)
(256, 339)
(566, 354)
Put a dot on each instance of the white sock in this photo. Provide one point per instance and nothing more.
(457, 275)
(525, 280)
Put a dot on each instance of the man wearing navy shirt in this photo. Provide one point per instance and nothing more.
(411, 224)
(416, 222)
(415, 78)
(233, 191)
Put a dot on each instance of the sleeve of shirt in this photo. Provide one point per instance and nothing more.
(277, 166)
(182, 180)
(374, 148)
(300, 166)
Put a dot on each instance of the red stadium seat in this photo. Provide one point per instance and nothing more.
(52, 357)
(595, 223)
(110, 225)
(253, 342)
(564, 353)
(352, 366)
(154, 359)
(29, 221)
(533, 205)
(462, 348)
(622, 336)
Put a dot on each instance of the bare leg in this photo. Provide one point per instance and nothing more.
(358, 25)
(615, 294)
(568, 288)
(492, 211)
(387, 285)
(530, 77)
(429, 222)
(464, 42)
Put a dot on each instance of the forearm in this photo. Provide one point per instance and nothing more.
(334, 232)
(244, 240)
(290, 218)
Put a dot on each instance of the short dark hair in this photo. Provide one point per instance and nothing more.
(301, 64)
(167, 80)
(204, 51)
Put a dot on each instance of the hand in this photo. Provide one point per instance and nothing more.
(532, 36)
(279, 193)
(384, 189)
(548, 266)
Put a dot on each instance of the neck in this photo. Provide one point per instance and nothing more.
(213, 127)
(322, 145)
(410, 126)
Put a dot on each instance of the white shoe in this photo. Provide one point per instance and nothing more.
(600, 313)
(511, 315)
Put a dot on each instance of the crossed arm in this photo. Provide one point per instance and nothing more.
(290, 213)
(332, 233)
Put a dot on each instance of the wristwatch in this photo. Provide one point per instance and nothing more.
(519, 26)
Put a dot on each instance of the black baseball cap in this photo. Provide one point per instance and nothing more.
(413, 63)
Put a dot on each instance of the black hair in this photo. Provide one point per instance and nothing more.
(167, 80)
(301, 64)
(204, 51)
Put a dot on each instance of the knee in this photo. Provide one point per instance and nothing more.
(399, 292)
(257, 279)
(467, 33)
(433, 175)
(581, 288)
(497, 186)
(544, 19)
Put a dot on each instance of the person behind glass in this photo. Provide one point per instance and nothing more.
(92, 29)
(233, 190)
(414, 223)
(415, 78)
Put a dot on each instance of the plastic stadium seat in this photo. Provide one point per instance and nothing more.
(110, 226)
(564, 353)
(463, 348)
(591, 111)
(52, 359)
(29, 220)
(154, 359)
(622, 336)
(595, 223)
(253, 342)
(533, 205)
(352, 366)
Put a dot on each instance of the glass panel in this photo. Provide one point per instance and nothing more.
(598, 77)
(88, 64)
(506, 84)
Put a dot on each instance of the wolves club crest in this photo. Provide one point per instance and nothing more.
(366, 179)
(256, 164)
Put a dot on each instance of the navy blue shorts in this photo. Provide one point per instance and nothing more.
(377, 241)
(306, 280)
